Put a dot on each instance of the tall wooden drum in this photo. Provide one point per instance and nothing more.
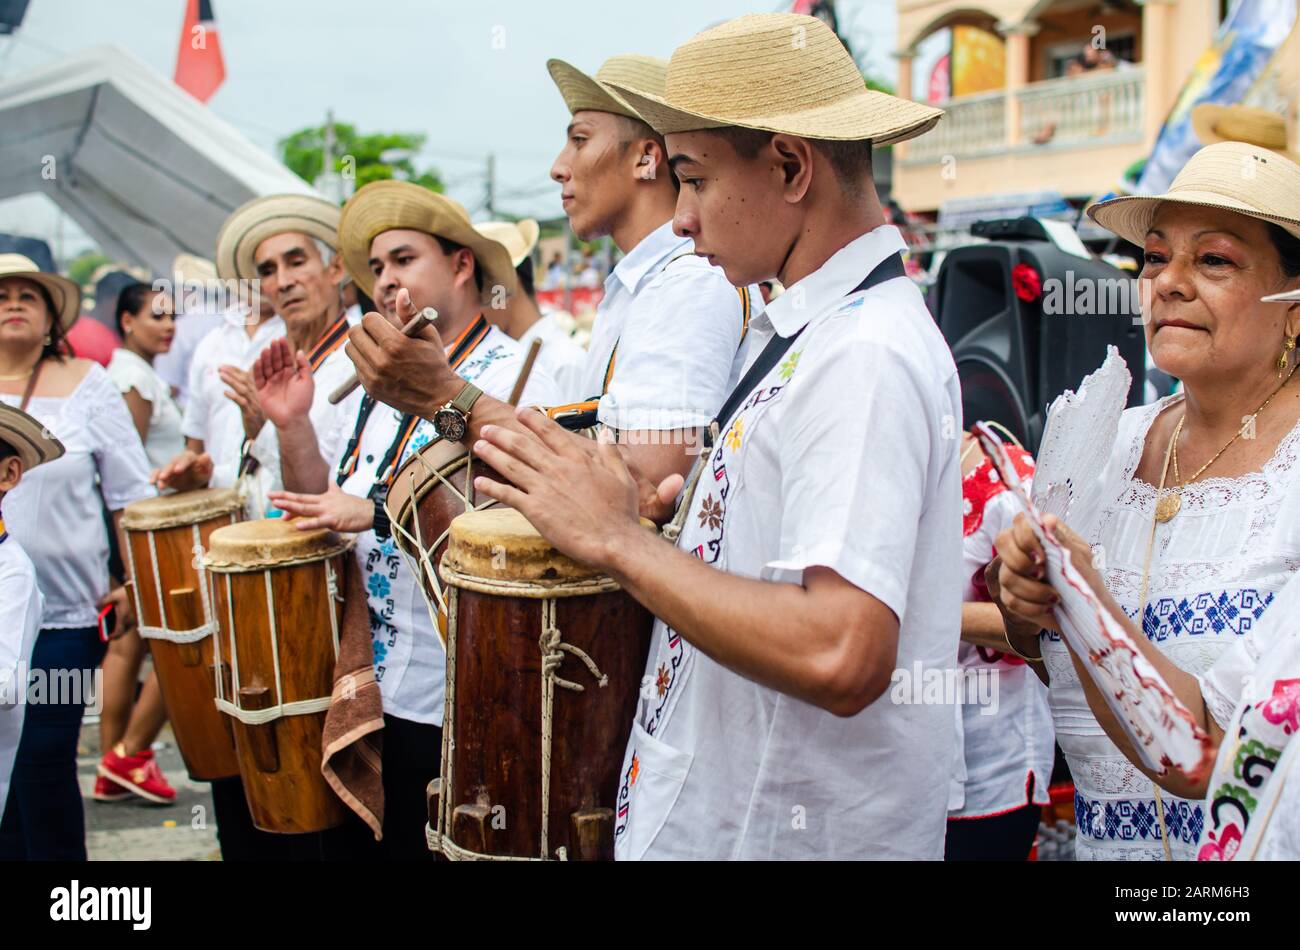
(544, 662)
(277, 592)
(165, 541)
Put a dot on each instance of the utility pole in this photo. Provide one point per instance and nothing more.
(492, 186)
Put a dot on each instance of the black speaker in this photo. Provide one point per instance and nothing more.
(34, 249)
(1014, 355)
(11, 14)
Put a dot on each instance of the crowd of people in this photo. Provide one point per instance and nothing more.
(837, 527)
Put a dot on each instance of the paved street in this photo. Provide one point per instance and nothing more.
(138, 830)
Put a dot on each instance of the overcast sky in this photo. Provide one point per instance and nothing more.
(428, 66)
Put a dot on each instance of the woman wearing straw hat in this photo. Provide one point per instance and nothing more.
(56, 513)
(560, 358)
(820, 550)
(1199, 517)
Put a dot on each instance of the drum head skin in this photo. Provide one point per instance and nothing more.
(191, 507)
(270, 542)
(499, 544)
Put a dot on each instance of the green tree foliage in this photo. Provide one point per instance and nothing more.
(84, 266)
(303, 152)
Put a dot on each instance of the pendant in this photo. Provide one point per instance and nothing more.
(1167, 505)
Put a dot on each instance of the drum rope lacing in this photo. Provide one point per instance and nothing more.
(301, 707)
(552, 647)
(205, 629)
(673, 529)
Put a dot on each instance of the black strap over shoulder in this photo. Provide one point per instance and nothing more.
(888, 269)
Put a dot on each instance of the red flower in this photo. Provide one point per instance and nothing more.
(1028, 285)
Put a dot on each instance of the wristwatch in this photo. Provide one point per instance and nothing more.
(382, 527)
(451, 422)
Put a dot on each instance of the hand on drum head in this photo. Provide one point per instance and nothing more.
(579, 494)
(408, 373)
(284, 383)
(335, 510)
(187, 471)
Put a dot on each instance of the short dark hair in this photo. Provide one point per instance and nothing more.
(850, 159)
(130, 300)
(635, 130)
(1288, 249)
(451, 247)
(524, 272)
(7, 450)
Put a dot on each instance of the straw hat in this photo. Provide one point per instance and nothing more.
(778, 72)
(387, 205)
(255, 221)
(517, 237)
(192, 268)
(65, 294)
(1233, 176)
(1218, 123)
(581, 91)
(33, 443)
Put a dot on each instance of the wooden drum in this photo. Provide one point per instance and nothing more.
(165, 541)
(277, 593)
(544, 662)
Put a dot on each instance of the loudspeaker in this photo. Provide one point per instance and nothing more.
(1015, 356)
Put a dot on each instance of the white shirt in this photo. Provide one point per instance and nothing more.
(560, 358)
(677, 323)
(1215, 570)
(1007, 747)
(842, 457)
(212, 417)
(56, 512)
(164, 440)
(410, 664)
(20, 621)
(174, 365)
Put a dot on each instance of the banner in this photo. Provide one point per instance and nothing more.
(978, 61)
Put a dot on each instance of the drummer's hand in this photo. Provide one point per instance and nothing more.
(124, 608)
(582, 500)
(186, 471)
(408, 373)
(335, 510)
(243, 393)
(283, 383)
(654, 502)
(1022, 588)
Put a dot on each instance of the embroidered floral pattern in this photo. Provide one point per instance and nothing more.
(661, 681)
(736, 434)
(789, 365)
(711, 514)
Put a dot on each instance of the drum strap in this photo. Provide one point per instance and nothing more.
(888, 269)
(457, 353)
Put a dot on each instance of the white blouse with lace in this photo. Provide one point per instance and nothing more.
(1215, 569)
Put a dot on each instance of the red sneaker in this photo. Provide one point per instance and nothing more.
(139, 773)
(106, 790)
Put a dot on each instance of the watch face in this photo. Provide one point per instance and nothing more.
(450, 424)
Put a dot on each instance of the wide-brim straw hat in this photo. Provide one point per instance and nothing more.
(776, 72)
(582, 92)
(517, 237)
(253, 222)
(1232, 176)
(1215, 123)
(31, 440)
(65, 294)
(388, 205)
(191, 267)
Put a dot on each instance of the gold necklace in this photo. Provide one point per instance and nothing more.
(1168, 505)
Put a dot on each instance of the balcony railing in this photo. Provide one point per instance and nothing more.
(1071, 112)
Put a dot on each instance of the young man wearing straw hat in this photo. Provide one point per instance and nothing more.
(24, 444)
(408, 248)
(820, 555)
(560, 357)
(668, 327)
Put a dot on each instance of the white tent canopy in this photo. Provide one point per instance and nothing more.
(145, 168)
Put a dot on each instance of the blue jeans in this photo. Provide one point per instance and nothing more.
(43, 818)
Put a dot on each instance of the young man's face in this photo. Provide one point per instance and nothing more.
(736, 209)
(415, 260)
(596, 173)
(299, 284)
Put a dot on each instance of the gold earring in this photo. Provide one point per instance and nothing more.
(1287, 347)
(48, 339)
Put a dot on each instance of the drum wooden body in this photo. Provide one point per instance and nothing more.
(545, 658)
(435, 486)
(277, 595)
(165, 541)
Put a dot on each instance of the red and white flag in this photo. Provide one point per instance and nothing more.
(199, 67)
